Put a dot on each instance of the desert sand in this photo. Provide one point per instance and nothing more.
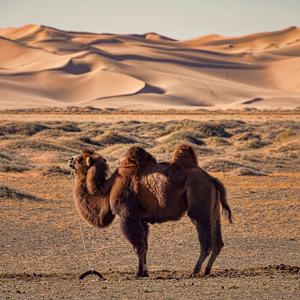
(255, 154)
(44, 66)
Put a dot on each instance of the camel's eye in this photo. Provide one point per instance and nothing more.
(80, 159)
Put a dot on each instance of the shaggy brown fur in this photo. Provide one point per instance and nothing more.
(185, 156)
(142, 191)
(92, 189)
(137, 157)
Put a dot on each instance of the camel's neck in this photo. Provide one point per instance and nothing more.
(92, 200)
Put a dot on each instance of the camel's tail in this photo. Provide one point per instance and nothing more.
(226, 209)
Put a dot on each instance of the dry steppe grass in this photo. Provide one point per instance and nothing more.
(222, 146)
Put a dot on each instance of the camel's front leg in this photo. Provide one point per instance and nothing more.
(135, 233)
(146, 228)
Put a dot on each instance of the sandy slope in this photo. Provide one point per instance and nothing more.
(43, 66)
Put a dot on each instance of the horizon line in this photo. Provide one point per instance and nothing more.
(292, 27)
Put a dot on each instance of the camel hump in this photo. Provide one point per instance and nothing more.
(137, 157)
(185, 156)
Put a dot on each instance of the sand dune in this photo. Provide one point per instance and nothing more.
(251, 42)
(44, 66)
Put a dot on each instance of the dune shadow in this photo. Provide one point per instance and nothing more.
(251, 101)
(208, 63)
(76, 69)
(151, 89)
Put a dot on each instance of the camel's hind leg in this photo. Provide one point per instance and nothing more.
(202, 221)
(199, 212)
(204, 235)
(218, 244)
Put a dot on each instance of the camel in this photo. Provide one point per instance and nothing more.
(142, 191)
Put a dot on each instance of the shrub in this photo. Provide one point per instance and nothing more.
(112, 138)
(221, 165)
(183, 136)
(11, 193)
(11, 162)
(22, 128)
(253, 144)
(285, 135)
(217, 142)
(250, 172)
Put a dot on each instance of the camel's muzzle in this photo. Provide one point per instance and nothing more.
(71, 163)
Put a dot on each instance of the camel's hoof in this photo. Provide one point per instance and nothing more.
(203, 274)
(207, 272)
(193, 275)
(199, 274)
(146, 274)
(141, 275)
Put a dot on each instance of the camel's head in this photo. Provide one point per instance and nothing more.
(87, 161)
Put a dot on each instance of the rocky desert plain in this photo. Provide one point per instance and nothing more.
(235, 99)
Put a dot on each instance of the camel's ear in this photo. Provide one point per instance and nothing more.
(88, 161)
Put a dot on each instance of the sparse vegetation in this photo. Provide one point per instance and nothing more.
(11, 193)
(246, 136)
(202, 129)
(22, 128)
(182, 136)
(56, 170)
(250, 172)
(285, 135)
(217, 143)
(214, 130)
(112, 138)
(66, 126)
(221, 165)
(253, 144)
(11, 162)
(39, 145)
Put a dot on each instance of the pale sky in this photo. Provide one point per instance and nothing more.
(180, 19)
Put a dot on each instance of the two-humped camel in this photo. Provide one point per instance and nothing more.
(142, 191)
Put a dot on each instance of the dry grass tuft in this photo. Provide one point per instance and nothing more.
(203, 129)
(246, 136)
(67, 126)
(182, 137)
(249, 172)
(217, 142)
(88, 141)
(220, 141)
(214, 130)
(22, 128)
(285, 135)
(39, 145)
(56, 170)
(221, 165)
(11, 162)
(11, 193)
(12, 167)
(112, 138)
(253, 144)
